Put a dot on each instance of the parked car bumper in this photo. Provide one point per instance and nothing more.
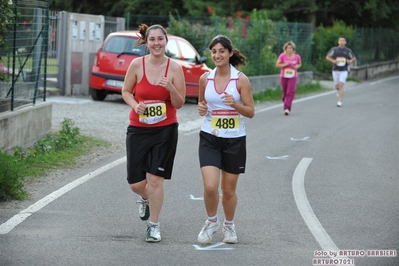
(102, 81)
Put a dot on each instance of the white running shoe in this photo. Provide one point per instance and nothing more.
(286, 112)
(229, 233)
(144, 209)
(153, 232)
(339, 103)
(205, 236)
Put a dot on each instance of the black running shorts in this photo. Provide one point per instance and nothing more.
(228, 154)
(150, 150)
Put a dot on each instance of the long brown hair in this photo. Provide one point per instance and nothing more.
(237, 58)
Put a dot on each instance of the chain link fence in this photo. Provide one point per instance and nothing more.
(24, 60)
(262, 41)
(373, 45)
(370, 45)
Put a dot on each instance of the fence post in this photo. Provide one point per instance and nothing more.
(13, 55)
(61, 49)
(45, 37)
(127, 25)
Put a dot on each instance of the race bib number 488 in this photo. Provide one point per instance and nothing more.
(155, 112)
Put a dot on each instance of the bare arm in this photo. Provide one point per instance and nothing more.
(247, 107)
(350, 61)
(330, 59)
(298, 65)
(202, 105)
(279, 64)
(175, 85)
(128, 86)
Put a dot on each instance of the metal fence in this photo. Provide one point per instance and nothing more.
(30, 64)
(260, 41)
(372, 45)
(24, 58)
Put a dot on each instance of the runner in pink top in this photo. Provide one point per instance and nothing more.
(288, 62)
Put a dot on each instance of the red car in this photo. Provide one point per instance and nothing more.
(118, 50)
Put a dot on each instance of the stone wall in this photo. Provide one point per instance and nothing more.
(376, 70)
(25, 125)
(261, 83)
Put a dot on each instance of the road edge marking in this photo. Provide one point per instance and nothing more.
(11, 223)
(306, 211)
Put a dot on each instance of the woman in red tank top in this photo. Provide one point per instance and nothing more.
(154, 88)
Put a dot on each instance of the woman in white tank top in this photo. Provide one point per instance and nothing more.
(225, 97)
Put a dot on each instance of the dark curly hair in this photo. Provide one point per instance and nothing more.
(237, 58)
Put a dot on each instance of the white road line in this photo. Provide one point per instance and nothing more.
(212, 247)
(278, 157)
(297, 101)
(22, 215)
(301, 200)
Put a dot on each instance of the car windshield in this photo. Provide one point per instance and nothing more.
(123, 45)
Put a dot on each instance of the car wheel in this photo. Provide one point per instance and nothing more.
(97, 95)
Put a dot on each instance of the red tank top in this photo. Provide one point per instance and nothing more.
(160, 111)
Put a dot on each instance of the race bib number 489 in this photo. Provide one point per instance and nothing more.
(155, 112)
(225, 123)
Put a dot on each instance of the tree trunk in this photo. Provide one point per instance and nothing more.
(311, 15)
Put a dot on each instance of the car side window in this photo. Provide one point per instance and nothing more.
(172, 50)
(188, 53)
(119, 44)
(115, 44)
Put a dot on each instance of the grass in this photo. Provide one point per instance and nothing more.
(58, 150)
(52, 63)
(276, 94)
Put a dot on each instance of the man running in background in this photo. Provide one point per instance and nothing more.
(341, 57)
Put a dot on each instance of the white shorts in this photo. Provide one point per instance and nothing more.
(340, 77)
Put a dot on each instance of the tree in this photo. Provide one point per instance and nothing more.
(362, 13)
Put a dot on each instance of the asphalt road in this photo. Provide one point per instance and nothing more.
(319, 181)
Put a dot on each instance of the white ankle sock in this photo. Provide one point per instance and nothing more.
(213, 219)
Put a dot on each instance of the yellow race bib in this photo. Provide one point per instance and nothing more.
(225, 123)
(155, 112)
(341, 61)
(289, 73)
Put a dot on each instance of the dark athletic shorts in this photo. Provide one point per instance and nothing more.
(228, 154)
(150, 150)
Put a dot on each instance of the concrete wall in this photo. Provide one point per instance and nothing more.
(260, 83)
(25, 125)
(375, 70)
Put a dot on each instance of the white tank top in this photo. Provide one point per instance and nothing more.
(222, 120)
